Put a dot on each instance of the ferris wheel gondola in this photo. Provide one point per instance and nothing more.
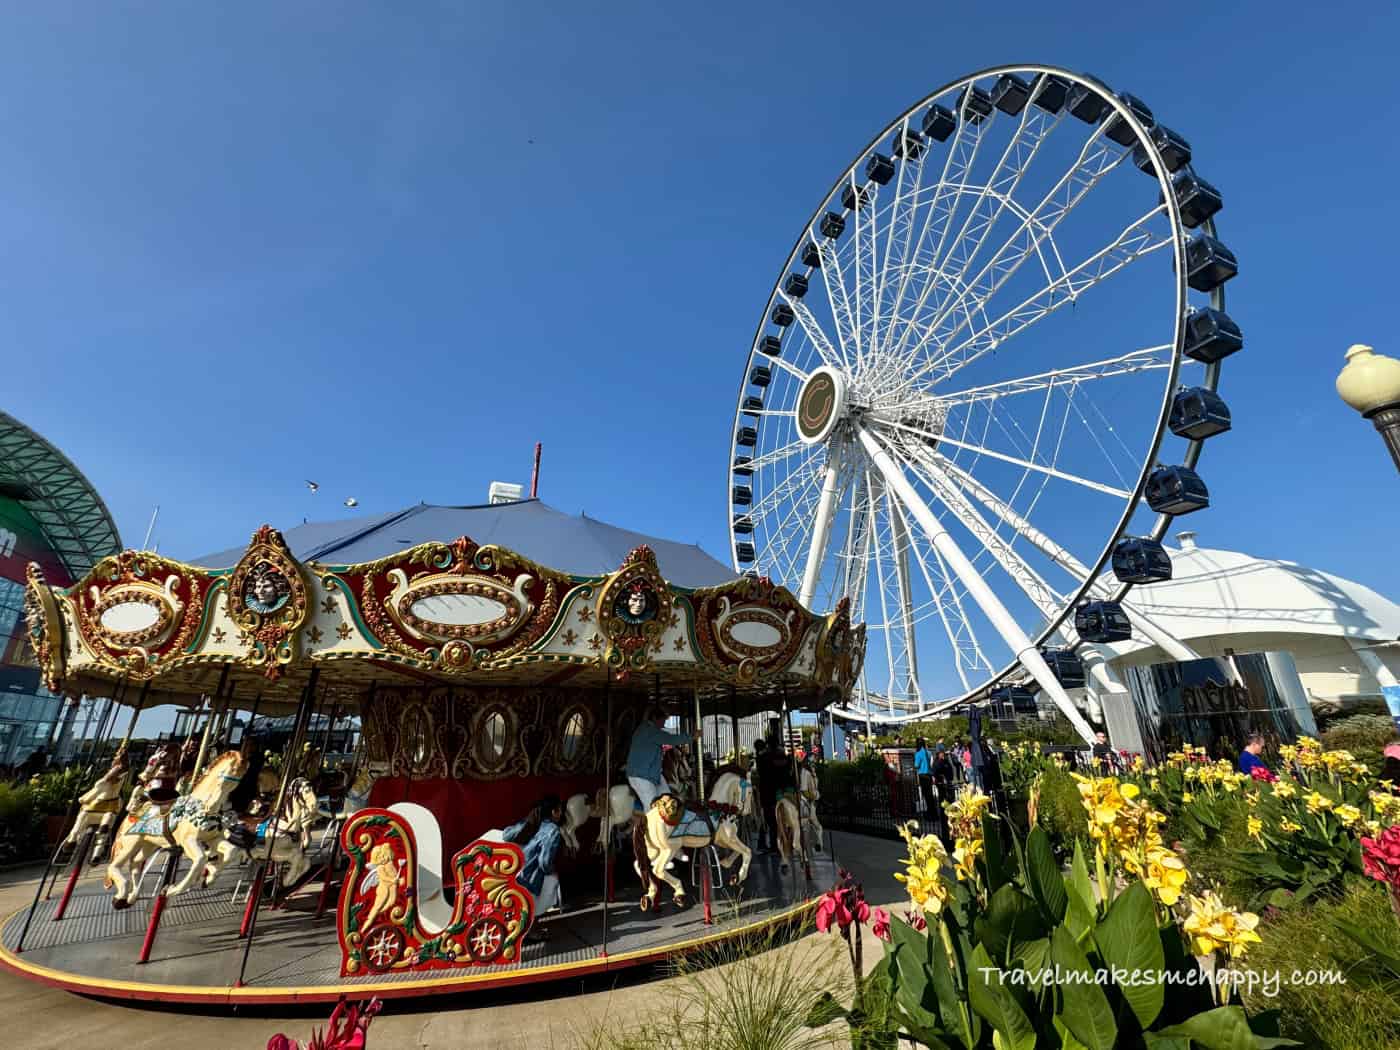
(993, 352)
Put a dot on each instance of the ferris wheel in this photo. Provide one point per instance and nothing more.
(984, 376)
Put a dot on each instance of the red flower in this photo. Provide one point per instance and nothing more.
(861, 911)
(832, 911)
(1261, 773)
(1380, 858)
(916, 919)
(881, 926)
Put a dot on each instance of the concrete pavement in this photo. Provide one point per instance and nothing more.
(546, 1017)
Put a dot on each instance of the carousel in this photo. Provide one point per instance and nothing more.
(502, 705)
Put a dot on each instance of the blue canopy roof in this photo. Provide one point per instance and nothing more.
(578, 545)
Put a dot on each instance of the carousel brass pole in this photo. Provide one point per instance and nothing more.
(605, 820)
(797, 788)
(247, 738)
(734, 723)
(136, 712)
(225, 734)
(298, 731)
(215, 705)
(699, 746)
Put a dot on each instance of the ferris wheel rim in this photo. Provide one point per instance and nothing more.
(1075, 595)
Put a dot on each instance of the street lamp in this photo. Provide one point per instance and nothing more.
(1370, 383)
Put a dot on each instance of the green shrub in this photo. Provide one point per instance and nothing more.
(54, 793)
(1363, 1013)
(1060, 811)
(1365, 736)
(21, 824)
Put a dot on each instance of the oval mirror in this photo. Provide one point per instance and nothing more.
(573, 736)
(493, 739)
(420, 738)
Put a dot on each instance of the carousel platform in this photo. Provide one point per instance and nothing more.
(295, 956)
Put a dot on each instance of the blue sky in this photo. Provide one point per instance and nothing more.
(389, 247)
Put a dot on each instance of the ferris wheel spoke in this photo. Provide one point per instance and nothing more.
(992, 607)
(1134, 362)
(792, 448)
(1096, 160)
(865, 257)
(960, 656)
(1040, 593)
(771, 499)
(790, 531)
(837, 295)
(813, 331)
(944, 439)
(953, 181)
(1036, 125)
(792, 370)
(1135, 242)
(821, 529)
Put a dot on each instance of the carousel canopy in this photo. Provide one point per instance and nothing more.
(395, 604)
(574, 544)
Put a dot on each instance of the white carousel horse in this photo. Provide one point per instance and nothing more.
(789, 831)
(99, 805)
(620, 804)
(671, 828)
(811, 792)
(299, 811)
(193, 823)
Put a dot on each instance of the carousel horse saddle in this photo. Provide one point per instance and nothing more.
(693, 824)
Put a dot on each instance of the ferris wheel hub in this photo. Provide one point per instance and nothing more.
(821, 404)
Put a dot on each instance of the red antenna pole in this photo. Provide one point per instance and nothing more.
(535, 474)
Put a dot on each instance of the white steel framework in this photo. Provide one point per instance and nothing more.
(963, 379)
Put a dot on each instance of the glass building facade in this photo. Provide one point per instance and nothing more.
(1201, 702)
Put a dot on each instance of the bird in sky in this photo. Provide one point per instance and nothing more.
(352, 502)
(312, 486)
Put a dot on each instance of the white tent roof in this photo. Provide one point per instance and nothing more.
(1217, 592)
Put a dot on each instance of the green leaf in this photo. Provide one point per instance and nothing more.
(1043, 876)
(1165, 1042)
(1084, 1007)
(1067, 1040)
(992, 999)
(1224, 1028)
(1181, 971)
(1127, 938)
(1082, 914)
(1368, 940)
(1012, 919)
(952, 1006)
(932, 1037)
(911, 977)
(824, 1011)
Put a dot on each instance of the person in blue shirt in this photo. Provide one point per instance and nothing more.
(644, 757)
(538, 836)
(1249, 757)
(923, 766)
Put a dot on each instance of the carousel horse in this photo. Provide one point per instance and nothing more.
(810, 792)
(619, 806)
(670, 828)
(356, 796)
(99, 805)
(193, 823)
(300, 809)
(789, 831)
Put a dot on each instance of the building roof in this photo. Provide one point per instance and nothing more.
(70, 514)
(1219, 592)
(574, 544)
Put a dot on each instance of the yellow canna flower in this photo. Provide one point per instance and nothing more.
(1165, 875)
(1283, 789)
(1289, 826)
(1348, 815)
(1213, 927)
(1186, 796)
(1317, 802)
(1256, 828)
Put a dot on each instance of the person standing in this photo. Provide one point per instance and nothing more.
(923, 768)
(1103, 753)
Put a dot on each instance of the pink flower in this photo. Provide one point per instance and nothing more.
(862, 911)
(832, 911)
(916, 919)
(281, 1042)
(881, 926)
(1380, 857)
(1261, 773)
